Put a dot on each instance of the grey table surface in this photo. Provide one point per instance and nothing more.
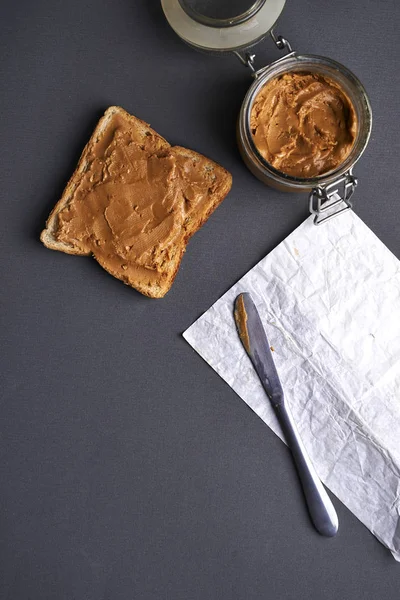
(128, 468)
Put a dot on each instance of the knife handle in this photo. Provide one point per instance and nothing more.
(320, 507)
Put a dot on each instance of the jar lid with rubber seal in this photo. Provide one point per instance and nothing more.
(305, 120)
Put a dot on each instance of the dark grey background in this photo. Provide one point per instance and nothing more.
(128, 468)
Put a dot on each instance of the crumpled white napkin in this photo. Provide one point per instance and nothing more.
(329, 298)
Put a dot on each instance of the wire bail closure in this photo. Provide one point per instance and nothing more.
(326, 202)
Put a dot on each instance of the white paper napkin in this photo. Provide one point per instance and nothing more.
(329, 298)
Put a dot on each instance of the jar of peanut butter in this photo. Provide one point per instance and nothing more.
(305, 120)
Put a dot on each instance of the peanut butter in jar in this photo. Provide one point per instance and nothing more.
(303, 124)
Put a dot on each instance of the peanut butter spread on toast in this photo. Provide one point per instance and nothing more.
(136, 202)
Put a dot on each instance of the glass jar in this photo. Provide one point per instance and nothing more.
(222, 25)
(196, 23)
(330, 193)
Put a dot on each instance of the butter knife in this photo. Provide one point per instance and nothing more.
(255, 342)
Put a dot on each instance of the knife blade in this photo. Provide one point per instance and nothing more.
(255, 342)
(254, 339)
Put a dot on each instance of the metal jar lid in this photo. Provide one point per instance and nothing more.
(222, 26)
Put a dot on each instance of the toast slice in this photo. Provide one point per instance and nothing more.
(134, 201)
